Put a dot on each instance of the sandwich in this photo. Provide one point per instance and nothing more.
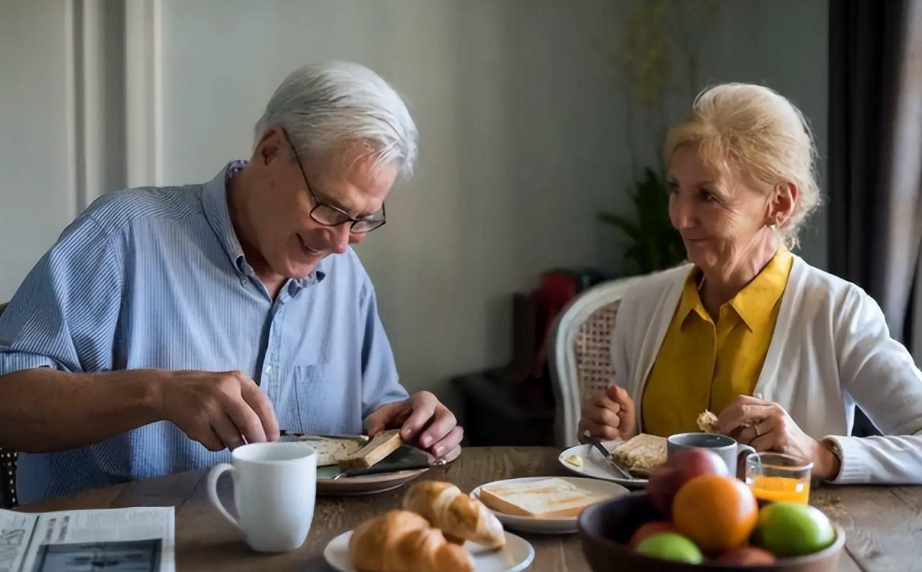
(641, 454)
(551, 497)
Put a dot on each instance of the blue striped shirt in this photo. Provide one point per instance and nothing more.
(156, 278)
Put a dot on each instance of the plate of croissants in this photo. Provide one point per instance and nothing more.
(437, 529)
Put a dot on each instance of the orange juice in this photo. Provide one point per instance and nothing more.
(772, 489)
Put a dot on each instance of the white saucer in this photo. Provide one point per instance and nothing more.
(596, 467)
(552, 525)
(517, 555)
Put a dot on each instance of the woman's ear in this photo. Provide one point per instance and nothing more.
(781, 206)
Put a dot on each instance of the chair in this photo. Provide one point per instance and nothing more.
(7, 470)
(579, 353)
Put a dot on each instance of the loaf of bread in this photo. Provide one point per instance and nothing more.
(456, 514)
(547, 498)
(403, 541)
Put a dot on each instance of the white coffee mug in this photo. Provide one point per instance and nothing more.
(275, 488)
(726, 447)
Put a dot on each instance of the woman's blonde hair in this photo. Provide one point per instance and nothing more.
(759, 132)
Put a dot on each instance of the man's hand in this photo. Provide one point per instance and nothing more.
(421, 418)
(219, 410)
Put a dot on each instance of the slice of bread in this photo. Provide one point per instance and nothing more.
(331, 450)
(551, 497)
(641, 454)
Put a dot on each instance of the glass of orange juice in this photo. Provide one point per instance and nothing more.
(778, 477)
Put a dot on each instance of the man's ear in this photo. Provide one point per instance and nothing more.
(272, 145)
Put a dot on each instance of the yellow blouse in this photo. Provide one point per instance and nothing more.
(702, 365)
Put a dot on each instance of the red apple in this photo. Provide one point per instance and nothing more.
(649, 529)
(746, 555)
(666, 480)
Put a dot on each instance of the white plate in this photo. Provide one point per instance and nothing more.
(552, 525)
(516, 555)
(596, 467)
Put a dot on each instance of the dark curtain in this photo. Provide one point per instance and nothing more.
(875, 153)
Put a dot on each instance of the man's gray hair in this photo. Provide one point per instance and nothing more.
(322, 106)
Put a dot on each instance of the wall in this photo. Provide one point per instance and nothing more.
(37, 197)
(62, 121)
(521, 114)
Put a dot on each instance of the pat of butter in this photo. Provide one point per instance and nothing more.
(574, 460)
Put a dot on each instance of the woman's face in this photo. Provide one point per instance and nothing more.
(720, 217)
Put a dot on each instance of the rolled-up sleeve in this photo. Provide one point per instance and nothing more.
(380, 382)
(64, 314)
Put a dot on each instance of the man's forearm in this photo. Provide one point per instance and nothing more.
(44, 410)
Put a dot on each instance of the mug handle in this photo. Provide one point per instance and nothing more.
(744, 451)
(213, 475)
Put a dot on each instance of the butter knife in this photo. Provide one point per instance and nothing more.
(308, 436)
(606, 454)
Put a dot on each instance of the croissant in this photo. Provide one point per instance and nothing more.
(456, 514)
(403, 541)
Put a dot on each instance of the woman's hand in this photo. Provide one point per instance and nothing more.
(766, 426)
(609, 415)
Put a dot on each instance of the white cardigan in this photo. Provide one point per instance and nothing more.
(831, 349)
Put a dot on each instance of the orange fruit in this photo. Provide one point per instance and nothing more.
(718, 513)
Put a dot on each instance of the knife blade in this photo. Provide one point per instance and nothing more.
(606, 454)
(308, 436)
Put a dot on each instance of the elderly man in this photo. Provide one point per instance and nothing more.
(169, 325)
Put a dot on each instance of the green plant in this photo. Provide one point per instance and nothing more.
(654, 243)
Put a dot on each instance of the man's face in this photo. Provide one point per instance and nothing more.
(289, 239)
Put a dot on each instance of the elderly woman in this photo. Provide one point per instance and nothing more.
(780, 350)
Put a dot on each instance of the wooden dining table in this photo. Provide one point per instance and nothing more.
(883, 525)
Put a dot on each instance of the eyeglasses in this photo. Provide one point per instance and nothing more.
(329, 215)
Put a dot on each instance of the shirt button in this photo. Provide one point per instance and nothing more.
(268, 369)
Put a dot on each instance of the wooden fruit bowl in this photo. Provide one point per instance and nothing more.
(605, 529)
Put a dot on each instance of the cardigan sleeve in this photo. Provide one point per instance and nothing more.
(879, 374)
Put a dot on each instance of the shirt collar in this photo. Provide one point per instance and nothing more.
(753, 303)
(690, 303)
(214, 200)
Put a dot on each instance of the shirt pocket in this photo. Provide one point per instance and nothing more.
(296, 410)
(322, 403)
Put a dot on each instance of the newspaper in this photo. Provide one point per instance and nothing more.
(115, 540)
